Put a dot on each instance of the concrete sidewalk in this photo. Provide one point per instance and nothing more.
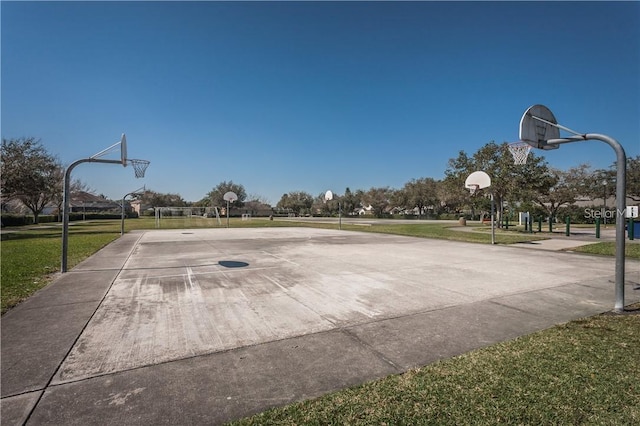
(208, 326)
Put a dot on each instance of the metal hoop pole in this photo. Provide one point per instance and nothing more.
(137, 191)
(621, 186)
(65, 205)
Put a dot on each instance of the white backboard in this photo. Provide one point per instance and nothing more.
(478, 179)
(230, 196)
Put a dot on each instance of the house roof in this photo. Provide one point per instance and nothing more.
(82, 198)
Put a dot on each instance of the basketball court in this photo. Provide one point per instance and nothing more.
(209, 325)
(184, 293)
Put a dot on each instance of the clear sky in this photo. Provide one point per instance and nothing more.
(310, 96)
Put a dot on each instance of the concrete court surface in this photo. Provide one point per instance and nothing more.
(210, 325)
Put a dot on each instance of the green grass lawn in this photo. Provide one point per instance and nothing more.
(31, 257)
(445, 232)
(582, 372)
(608, 248)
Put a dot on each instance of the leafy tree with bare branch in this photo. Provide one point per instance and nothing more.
(567, 186)
(509, 181)
(606, 179)
(216, 195)
(30, 174)
(633, 178)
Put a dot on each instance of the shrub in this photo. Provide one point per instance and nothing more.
(16, 220)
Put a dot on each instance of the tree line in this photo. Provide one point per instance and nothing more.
(34, 176)
(534, 186)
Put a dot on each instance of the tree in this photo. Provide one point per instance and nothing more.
(566, 187)
(299, 202)
(30, 174)
(379, 199)
(216, 195)
(418, 193)
(452, 194)
(255, 204)
(633, 178)
(327, 207)
(157, 199)
(604, 180)
(350, 201)
(75, 186)
(509, 181)
(257, 198)
(322, 206)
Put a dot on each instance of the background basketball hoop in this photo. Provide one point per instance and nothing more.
(229, 197)
(478, 180)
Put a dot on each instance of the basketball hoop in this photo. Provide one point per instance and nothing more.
(139, 166)
(520, 152)
(477, 180)
(473, 188)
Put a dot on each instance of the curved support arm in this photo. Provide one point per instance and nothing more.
(621, 196)
(122, 217)
(65, 205)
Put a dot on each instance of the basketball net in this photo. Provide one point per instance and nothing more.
(139, 167)
(520, 152)
(473, 188)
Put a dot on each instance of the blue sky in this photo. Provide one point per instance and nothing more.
(310, 96)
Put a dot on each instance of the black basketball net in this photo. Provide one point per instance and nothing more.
(139, 167)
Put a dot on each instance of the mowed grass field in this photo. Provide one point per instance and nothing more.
(32, 257)
(583, 372)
